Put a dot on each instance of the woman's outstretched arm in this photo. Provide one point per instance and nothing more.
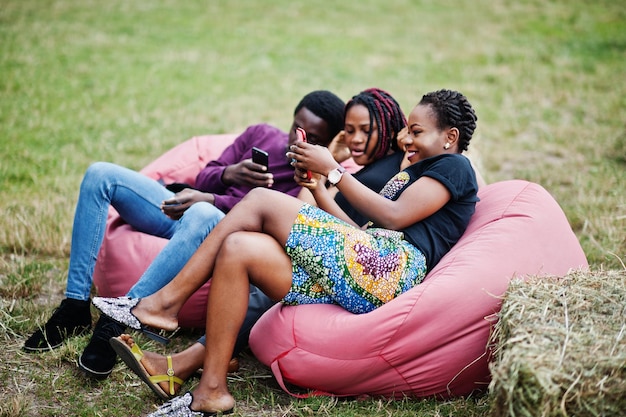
(409, 208)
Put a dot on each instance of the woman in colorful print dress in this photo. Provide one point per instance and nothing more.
(321, 257)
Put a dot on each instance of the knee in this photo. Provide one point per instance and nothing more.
(259, 195)
(97, 174)
(256, 193)
(100, 170)
(202, 215)
(236, 246)
(103, 172)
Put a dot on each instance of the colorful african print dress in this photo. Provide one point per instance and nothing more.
(360, 270)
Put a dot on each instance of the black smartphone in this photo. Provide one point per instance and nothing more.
(259, 156)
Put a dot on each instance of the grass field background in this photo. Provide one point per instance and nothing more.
(123, 81)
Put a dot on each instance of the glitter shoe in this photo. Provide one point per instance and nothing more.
(119, 309)
(181, 407)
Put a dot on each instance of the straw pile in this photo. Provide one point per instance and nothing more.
(560, 347)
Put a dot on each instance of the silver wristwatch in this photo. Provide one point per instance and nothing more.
(335, 175)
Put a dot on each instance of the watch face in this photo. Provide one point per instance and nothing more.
(334, 176)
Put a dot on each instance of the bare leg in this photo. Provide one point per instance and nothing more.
(239, 262)
(262, 210)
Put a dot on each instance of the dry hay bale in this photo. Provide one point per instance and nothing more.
(560, 347)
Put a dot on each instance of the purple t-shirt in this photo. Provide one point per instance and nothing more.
(263, 136)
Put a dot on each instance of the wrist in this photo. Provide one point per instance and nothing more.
(225, 178)
(335, 175)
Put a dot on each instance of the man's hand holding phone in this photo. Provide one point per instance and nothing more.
(251, 172)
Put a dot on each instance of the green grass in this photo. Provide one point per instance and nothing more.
(121, 81)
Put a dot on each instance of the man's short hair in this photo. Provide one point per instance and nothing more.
(327, 106)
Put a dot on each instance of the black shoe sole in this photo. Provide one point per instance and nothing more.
(99, 375)
(47, 348)
(41, 349)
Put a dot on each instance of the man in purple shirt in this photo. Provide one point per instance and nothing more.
(181, 214)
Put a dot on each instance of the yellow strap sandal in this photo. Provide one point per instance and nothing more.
(132, 358)
(169, 377)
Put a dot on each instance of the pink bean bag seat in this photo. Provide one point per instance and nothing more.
(432, 340)
(126, 253)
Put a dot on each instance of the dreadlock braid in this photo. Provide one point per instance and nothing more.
(452, 109)
(385, 110)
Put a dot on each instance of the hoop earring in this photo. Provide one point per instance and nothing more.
(446, 146)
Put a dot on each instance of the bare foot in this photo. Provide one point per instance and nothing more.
(211, 402)
(150, 312)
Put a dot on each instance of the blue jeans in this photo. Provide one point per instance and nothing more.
(137, 199)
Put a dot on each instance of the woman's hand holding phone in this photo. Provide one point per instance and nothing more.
(301, 134)
(310, 161)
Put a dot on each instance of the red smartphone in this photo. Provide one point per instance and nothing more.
(301, 134)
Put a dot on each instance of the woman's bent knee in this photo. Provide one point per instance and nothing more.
(270, 201)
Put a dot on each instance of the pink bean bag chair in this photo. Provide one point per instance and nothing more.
(432, 340)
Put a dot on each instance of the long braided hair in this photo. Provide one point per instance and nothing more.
(385, 110)
(452, 109)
